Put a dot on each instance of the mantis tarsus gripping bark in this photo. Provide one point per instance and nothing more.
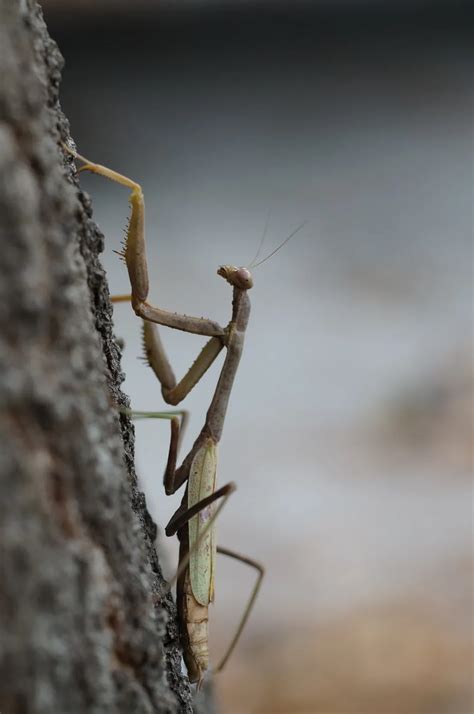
(193, 521)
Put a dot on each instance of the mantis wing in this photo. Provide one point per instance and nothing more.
(202, 483)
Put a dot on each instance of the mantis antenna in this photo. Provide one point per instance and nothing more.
(293, 233)
(262, 239)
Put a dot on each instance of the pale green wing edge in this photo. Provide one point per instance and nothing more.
(202, 483)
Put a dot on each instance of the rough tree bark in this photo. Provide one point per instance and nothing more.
(83, 626)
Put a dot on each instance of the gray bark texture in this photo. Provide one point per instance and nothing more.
(83, 624)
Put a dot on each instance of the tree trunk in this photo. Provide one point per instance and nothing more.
(83, 623)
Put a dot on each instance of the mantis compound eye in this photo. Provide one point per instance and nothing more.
(243, 278)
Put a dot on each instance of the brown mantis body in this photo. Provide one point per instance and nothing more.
(193, 521)
(198, 470)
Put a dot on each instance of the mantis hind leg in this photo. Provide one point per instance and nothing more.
(250, 603)
(181, 517)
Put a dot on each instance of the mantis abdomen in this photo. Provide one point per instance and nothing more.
(194, 629)
(196, 586)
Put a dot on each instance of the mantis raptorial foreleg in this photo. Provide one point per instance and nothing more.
(134, 254)
(173, 393)
(156, 357)
(231, 337)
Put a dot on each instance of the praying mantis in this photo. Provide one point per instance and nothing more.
(193, 522)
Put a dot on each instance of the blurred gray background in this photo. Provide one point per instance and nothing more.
(349, 431)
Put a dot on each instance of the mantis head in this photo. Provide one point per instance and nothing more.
(238, 277)
(241, 278)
